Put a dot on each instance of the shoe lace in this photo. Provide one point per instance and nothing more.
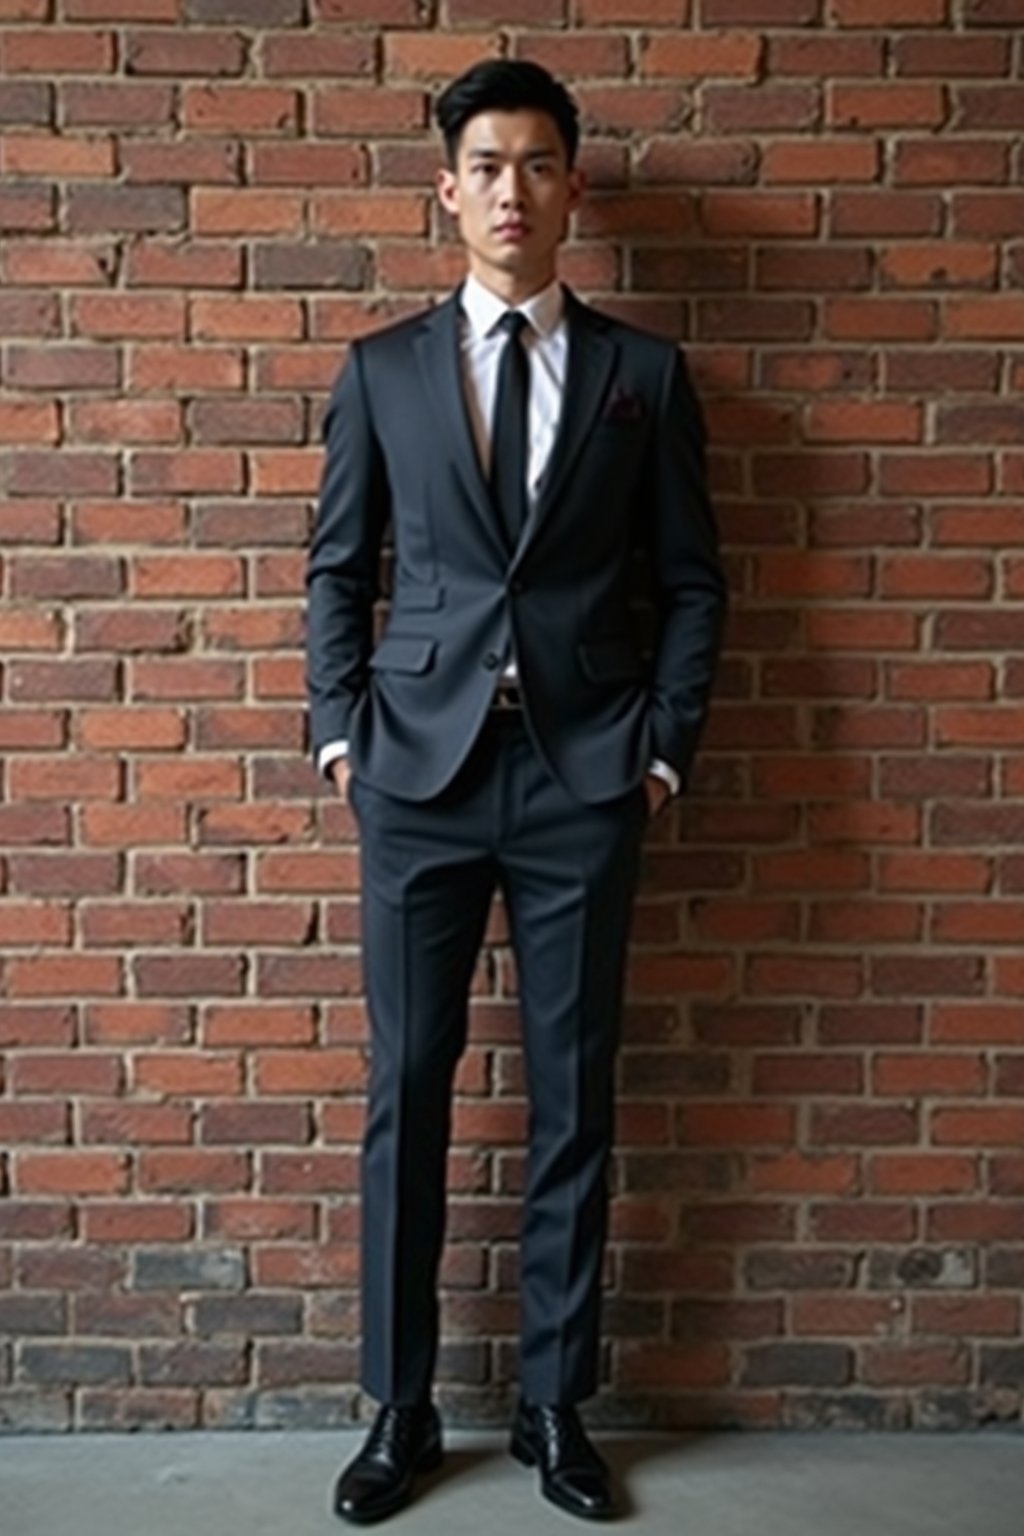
(393, 1428)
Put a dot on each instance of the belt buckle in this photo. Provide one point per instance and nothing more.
(507, 696)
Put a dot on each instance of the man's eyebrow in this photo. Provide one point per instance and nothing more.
(544, 153)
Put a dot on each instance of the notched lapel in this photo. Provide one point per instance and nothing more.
(437, 351)
(589, 366)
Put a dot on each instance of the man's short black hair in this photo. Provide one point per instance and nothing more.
(506, 85)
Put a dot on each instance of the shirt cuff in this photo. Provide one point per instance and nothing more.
(328, 754)
(661, 770)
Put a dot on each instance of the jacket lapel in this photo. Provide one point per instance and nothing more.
(439, 357)
(589, 365)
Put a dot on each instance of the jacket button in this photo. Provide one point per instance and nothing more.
(492, 660)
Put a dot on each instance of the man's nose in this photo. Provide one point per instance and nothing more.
(511, 185)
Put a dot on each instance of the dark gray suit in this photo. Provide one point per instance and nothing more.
(454, 800)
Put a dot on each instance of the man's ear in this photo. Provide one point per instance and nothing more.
(447, 189)
(577, 187)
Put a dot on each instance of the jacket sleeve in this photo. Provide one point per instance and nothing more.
(689, 583)
(343, 571)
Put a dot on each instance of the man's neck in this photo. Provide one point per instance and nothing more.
(511, 289)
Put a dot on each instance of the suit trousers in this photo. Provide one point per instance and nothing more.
(567, 873)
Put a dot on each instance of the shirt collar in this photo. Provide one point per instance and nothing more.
(484, 309)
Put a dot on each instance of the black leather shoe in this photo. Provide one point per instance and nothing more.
(379, 1480)
(572, 1474)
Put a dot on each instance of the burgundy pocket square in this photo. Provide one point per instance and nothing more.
(624, 407)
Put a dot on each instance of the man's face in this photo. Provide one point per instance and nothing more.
(511, 192)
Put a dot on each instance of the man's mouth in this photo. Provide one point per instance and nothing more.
(513, 231)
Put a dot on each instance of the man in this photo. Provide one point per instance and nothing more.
(504, 732)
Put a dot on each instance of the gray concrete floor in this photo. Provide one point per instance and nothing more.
(267, 1483)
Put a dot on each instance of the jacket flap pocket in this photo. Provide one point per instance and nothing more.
(403, 653)
(601, 659)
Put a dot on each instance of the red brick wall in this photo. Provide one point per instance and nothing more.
(818, 1216)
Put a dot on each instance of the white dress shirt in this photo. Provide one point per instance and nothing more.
(481, 341)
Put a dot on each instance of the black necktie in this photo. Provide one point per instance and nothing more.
(510, 434)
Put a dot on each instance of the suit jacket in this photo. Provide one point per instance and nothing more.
(627, 467)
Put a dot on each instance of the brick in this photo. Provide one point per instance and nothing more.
(34, 824)
(892, 1364)
(254, 1124)
(201, 264)
(68, 473)
(887, 106)
(115, 924)
(247, 319)
(191, 162)
(31, 729)
(74, 1363)
(187, 575)
(951, 58)
(577, 55)
(123, 421)
(330, 264)
(128, 522)
(60, 262)
(186, 679)
(239, 109)
(127, 315)
(62, 367)
(177, 976)
(188, 1269)
(118, 105)
(29, 523)
(197, 779)
(673, 160)
(922, 162)
(393, 110)
(989, 106)
(41, 155)
(189, 471)
(772, 108)
(881, 212)
(188, 873)
(180, 52)
(318, 54)
(411, 55)
(823, 56)
(71, 1173)
(949, 265)
(368, 214)
(246, 211)
(78, 778)
(126, 630)
(124, 210)
(130, 826)
(66, 679)
(813, 1364)
(117, 730)
(29, 314)
(50, 52)
(180, 368)
(703, 56)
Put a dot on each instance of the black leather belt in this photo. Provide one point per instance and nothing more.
(507, 696)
